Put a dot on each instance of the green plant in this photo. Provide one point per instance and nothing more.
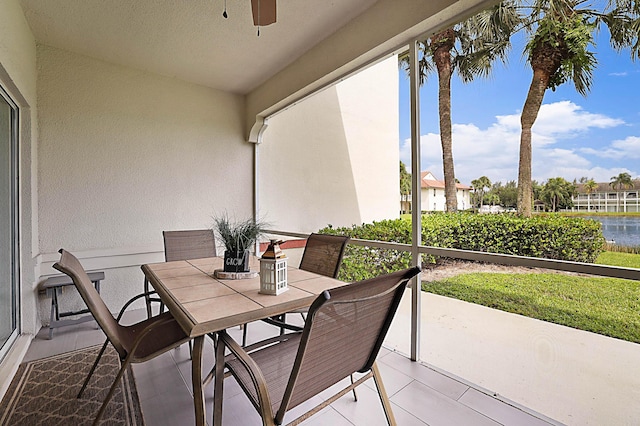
(238, 235)
(548, 236)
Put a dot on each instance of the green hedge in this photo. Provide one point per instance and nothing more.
(546, 236)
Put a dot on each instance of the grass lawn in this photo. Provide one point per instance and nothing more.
(627, 260)
(606, 306)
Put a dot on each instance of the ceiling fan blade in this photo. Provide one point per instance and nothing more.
(264, 12)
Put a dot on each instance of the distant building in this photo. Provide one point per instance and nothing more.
(491, 209)
(433, 198)
(607, 199)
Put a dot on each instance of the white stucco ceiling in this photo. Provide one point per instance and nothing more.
(190, 39)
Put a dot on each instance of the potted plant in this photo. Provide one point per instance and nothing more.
(237, 237)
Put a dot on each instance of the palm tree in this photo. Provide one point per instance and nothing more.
(590, 187)
(405, 187)
(478, 187)
(558, 52)
(622, 181)
(558, 192)
(468, 48)
(493, 199)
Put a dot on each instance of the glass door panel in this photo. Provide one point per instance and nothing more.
(8, 228)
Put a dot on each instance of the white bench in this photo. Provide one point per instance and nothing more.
(54, 286)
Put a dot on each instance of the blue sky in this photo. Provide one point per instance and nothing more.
(597, 136)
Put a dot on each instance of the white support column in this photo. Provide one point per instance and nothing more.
(416, 204)
(255, 137)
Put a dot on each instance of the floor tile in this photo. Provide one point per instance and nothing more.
(367, 410)
(419, 395)
(435, 380)
(392, 379)
(326, 417)
(436, 409)
(498, 410)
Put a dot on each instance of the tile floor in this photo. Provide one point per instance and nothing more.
(420, 394)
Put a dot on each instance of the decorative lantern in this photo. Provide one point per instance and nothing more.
(273, 270)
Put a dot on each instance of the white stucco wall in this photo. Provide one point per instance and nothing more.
(433, 200)
(17, 50)
(333, 158)
(18, 78)
(438, 202)
(125, 154)
(464, 199)
(369, 103)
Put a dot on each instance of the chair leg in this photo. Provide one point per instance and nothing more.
(105, 403)
(282, 318)
(244, 334)
(386, 405)
(93, 368)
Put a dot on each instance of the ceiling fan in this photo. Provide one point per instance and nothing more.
(264, 12)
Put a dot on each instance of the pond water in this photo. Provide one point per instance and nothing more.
(623, 230)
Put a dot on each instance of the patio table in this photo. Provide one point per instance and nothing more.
(203, 304)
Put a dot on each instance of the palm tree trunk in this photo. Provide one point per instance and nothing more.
(446, 140)
(443, 43)
(530, 112)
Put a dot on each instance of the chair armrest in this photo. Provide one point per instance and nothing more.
(252, 368)
(282, 324)
(268, 342)
(133, 299)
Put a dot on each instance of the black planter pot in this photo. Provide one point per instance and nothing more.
(236, 261)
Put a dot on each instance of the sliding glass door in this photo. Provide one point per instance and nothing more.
(8, 222)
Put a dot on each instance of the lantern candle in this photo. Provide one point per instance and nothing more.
(273, 270)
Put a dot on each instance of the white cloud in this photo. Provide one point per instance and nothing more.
(628, 148)
(562, 120)
(494, 151)
(619, 74)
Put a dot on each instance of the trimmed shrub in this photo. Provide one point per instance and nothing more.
(548, 236)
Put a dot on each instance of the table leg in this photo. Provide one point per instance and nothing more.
(196, 378)
(218, 384)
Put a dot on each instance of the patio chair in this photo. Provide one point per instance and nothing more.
(184, 245)
(342, 335)
(191, 244)
(323, 255)
(134, 343)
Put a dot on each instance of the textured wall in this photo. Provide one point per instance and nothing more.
(18, 77)
(333, 158)
(126, 154)
(17, 50)
(369, 103)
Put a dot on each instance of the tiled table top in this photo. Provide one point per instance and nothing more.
(204, 304)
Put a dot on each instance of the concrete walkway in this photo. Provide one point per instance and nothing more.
(572, 376)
